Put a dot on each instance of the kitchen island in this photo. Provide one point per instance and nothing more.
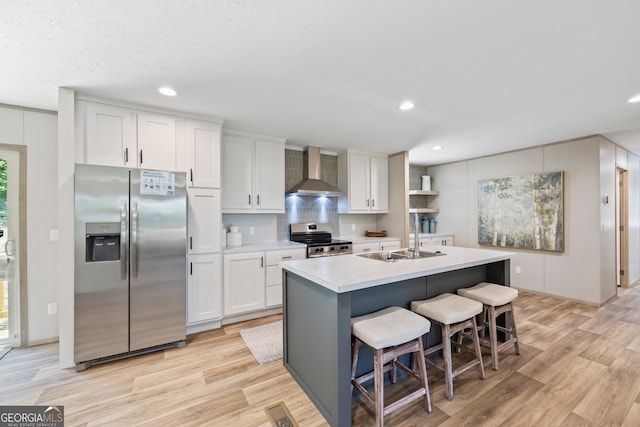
(322, 294)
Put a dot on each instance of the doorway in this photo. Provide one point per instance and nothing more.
(622, 229)
(10, 228)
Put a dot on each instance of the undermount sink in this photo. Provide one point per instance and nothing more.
(398, 255)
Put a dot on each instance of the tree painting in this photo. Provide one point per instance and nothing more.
(524, 212)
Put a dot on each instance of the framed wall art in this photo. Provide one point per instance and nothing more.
(522, 212)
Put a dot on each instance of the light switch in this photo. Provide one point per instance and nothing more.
(54, 235)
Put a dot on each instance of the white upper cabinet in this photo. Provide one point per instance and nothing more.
(110, 139)
(156, 141)
(117, 136)
(365, 177)
(252, 174)
(203, 154)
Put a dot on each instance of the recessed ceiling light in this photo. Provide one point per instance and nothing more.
(406, 105)
(437, 147)
(634, 99)
(167, 91)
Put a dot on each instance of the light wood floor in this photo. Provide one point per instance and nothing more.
(579, 366)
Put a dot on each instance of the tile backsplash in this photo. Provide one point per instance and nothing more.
(317, 209)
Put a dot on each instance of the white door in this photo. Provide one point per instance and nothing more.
(156, 142)
(379, 184)
(204, 220)
(9, 261)
(204, 288)
(237, 174)
(359, 180)
(203, 142)
(110, 137)
(269, 176)
(244, 282)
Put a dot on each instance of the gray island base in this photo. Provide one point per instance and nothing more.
(322, 294)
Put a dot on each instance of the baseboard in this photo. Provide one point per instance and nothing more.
(227, 320)
(593, 304)
(202, 327)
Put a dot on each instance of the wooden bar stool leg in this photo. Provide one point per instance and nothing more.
(379, 386)
(493, 336)
(514, 331)
(422, 366)
(446, 356)
(476, 344)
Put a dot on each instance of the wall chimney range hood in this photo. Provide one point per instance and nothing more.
(312, 185)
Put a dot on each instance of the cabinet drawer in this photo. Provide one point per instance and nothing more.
(274, 257)
(365, 247)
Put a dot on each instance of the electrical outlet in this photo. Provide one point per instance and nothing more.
(252, 231)
(353, 227)
(52, 308)
(518, 269)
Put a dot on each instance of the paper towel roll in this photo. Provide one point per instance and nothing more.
(234, 239)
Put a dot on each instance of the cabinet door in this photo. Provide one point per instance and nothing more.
(379, 176)
(156, 142)
(204, 220)
(237, 178)
(244, 282)
(446, 241)
(269, 176)
(110, 139)
(204, 288)
(390, 246)
(359, 248)
(203, 154)
(359, 191)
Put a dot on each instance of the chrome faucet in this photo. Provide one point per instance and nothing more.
(416, 237)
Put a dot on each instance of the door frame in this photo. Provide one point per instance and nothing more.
(622, 229)
(22, 240)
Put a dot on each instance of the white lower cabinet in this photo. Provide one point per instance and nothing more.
(244, 282)
(391, 245)
(274, 273)
(425, 242)
(253, 280)
(204, 288)
(387, 245)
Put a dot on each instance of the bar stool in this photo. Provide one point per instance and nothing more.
(390, 333)
(454, 314)
(496, 300)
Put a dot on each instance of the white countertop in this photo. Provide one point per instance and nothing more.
(264, 246)
(346, 273)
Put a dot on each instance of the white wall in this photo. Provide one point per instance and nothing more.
(607, 219)
(575, 273)
(38, 131)
(41, 136)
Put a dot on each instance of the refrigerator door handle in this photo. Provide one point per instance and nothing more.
(123, 242)
(134, 240)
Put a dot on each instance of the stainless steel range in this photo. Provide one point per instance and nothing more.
(318, 239)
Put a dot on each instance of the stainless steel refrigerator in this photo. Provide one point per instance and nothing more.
(130, 262)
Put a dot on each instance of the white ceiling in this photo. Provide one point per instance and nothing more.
(486, 76)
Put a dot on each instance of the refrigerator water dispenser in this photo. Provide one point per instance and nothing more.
(103, 241)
